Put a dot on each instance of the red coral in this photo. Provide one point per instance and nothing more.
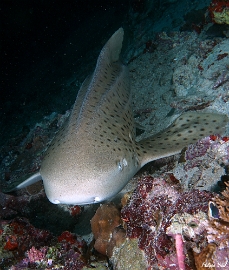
(74, 210)
(68, 237)
(225, 139)
(213, 137)
(11, 243)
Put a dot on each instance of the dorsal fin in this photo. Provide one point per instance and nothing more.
(103, 76)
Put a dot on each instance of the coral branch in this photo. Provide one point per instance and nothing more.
(180, 251)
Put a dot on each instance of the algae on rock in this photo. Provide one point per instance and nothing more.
(129, 256)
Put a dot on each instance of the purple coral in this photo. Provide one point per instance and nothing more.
(198, 149)
(149, 213)
(213, 146)
(73, 260)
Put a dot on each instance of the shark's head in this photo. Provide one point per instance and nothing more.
(76, 191)
(91, 179)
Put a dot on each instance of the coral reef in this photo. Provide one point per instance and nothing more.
(216, 254)
(163, 219)
(151, 211)
(25, 247)
(203, 163)
(177, 229)
(169, 218)
(18, 236)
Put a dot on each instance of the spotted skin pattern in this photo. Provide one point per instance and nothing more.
(95, 154)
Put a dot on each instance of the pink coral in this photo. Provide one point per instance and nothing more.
(180, 251)
(36, 255)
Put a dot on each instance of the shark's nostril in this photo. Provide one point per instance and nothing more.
(56, 201)
(97, 199)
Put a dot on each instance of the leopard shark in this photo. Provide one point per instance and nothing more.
(95, 153)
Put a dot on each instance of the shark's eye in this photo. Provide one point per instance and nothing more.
(120, 166)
